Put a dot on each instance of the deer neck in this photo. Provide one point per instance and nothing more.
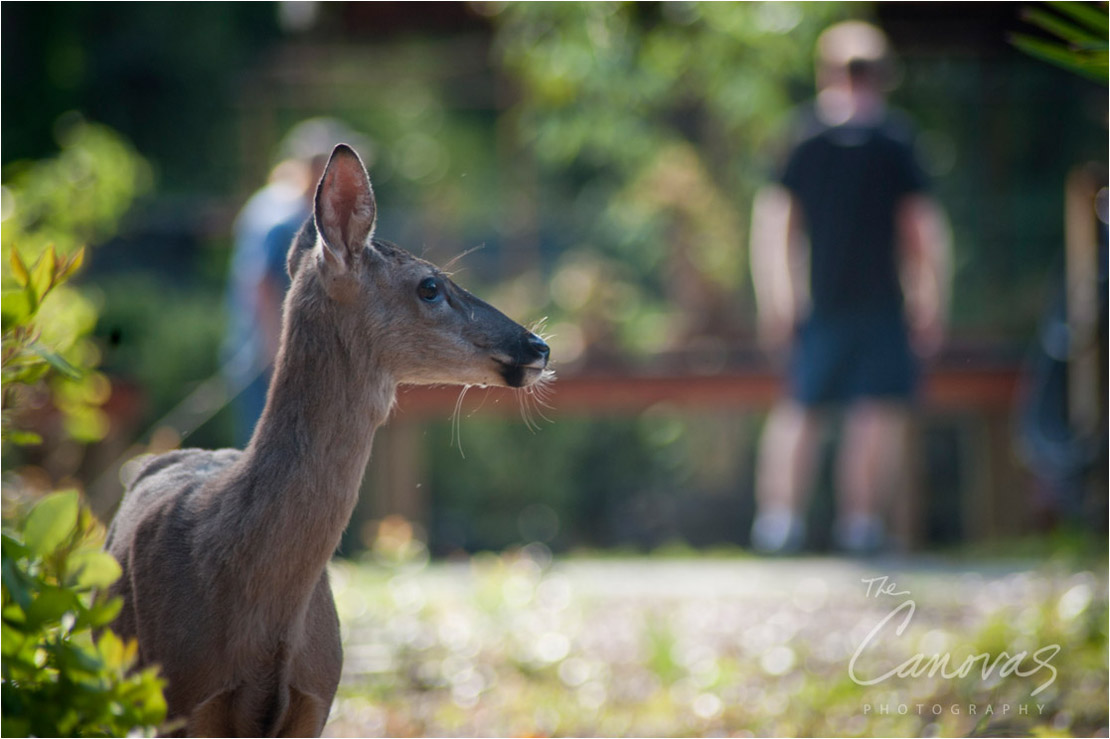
(299, 477)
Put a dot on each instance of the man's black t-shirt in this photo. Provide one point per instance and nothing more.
(849, 180)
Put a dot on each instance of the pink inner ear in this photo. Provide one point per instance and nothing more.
(345, 185)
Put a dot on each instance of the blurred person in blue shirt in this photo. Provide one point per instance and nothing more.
(258, 279)
(850, 265)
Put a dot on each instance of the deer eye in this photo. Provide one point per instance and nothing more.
(429, 291)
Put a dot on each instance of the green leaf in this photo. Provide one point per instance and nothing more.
(23, 662)
(70, 657)
(11, 640)
(15, 308)
(17, 583)
(112, 650)
(146, 692)
(13, 615)
(1089, 15)
(93, 569)
(19, 269)
(42, 274)
(100, 614)
(1060, 56)
(57, 361)
(51, 521)
(71, 264)
(1059, 28)
(12, 547)
(51, 604)
(30, 373)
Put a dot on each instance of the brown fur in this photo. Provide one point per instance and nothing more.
(224, 552)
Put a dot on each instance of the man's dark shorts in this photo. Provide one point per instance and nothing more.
(842, 358)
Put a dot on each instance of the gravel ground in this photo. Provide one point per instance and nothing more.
(520, 645)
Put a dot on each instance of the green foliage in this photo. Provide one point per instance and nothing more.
(51, 210)
(667, 116)
(25, 359)
(58, 679)
(75, 197)
(604, 82)
(1081, 29)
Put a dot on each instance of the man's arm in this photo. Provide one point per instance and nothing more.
(926, 249)
(777, 265)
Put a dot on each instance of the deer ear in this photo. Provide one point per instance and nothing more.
(345, 209)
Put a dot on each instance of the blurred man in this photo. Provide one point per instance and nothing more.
(263, 231)
(850, 265)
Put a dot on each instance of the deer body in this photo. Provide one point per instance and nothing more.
(224, 552)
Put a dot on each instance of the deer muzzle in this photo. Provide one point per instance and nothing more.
(528, 364)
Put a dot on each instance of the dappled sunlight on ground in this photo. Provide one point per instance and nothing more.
(518, 645)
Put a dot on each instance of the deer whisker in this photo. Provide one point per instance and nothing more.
(456, 420)
(463, 255)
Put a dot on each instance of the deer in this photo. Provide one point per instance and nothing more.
(224, 553)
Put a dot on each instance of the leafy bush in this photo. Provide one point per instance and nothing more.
(660, 120)
(26, 358)
(57, 679)
(64, 672)
(51, 210)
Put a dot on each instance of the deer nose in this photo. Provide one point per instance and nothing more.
(539, 346)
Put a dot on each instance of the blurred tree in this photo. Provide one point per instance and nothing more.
(668, 115)
(163, 76)
(51, 209)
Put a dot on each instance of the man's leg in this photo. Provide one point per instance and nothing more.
(784, 477)
(872, 456)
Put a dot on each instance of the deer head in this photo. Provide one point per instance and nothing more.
(420, 326)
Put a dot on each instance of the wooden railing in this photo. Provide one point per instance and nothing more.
(979, 395)
(947, 388)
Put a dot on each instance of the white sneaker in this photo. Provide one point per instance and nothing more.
(778, 532)
(860, 534)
